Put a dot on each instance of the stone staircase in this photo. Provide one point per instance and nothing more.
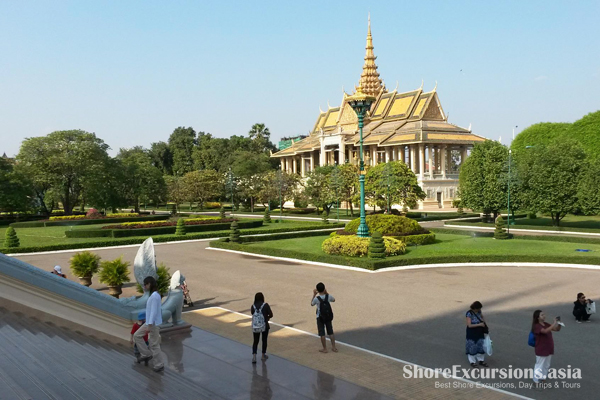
(43, 361)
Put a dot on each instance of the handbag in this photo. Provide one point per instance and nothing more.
(488, 345)
(531, 340)
(590, 308)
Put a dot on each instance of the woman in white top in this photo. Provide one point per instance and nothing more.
(153, 320)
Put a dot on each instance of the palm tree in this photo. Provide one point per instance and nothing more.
(259, 131)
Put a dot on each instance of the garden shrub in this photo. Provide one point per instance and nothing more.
(212, 204)
(234, 236)
(300, 201)
(500, 232)
(386, 224)
(354, 246)
(115, 272)
(180, 229)
(325, 217)
(222, 213)
(267, 216)
(417, 240)
(531, 215)
(92, 213)
(376, 246)
(10, 238)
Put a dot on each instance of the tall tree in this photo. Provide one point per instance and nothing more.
(143, 181)
(392, 183)
(318, 188)
(204, 185)
(549, 177)
(176, 191)
(162, 157)
(348, 184)
(483, 178)
(62, 161)
(16, 192)
(105, 188)
(181, 143)
(589, 189)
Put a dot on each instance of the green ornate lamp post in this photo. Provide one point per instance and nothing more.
(361, 103)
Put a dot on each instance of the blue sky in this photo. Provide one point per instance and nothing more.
(132, 71)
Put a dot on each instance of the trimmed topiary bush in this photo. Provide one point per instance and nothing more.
(376, 246)
(234, 236)
(10, 238)
(417, 240)
(354, 246)
(267, 217)
(325, 217)
(222, 213)
(500, 232)
(180, 229)
(387, 225)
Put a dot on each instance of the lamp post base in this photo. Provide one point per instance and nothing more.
(363, 230)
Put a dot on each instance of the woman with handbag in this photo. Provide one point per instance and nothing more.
(476, 330)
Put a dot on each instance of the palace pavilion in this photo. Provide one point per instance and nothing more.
(410, 127)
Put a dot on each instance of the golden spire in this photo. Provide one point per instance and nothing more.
(369, 79)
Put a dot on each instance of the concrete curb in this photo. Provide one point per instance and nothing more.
(417, 266)
(548, 232)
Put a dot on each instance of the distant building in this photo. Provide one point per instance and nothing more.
(286, 142)
(410, 127)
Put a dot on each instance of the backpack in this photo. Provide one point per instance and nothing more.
(325, 311)
(531, 340)
(258, 320)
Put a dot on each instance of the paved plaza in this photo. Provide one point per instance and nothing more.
(412, 315)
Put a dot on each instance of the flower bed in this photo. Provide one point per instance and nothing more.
(72, 217)
(157, 224)
(85, 221)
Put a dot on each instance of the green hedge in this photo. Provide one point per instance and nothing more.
(371, 264)
(170, 238)
(161, 230)
(42, 224)
(520, 236)
(417, 240)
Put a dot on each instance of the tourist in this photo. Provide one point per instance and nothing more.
(476, 330)
(580, 309)
(151, 327)
(544, 344)
(58, 271)
(261, 314)
(321, 299)
(137, 325)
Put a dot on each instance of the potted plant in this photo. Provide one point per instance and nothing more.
(84, 265)
(114, 274)
(163, 282)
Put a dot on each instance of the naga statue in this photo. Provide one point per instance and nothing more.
(144, 265)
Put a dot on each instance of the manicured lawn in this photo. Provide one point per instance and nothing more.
(569, 223)
(451, 246)
(54, 235)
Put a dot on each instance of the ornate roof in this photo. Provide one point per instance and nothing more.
(395, 118)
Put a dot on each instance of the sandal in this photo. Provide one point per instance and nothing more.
(483, 364)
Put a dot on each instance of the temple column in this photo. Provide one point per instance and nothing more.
(282, 164)
(421, 161)
(302, 168)
(312, 161)
(322, 154)
(388, 155)
(294, 165)
(431, 164)
(342, 153)
(413, 164)
(463, 154)
(401, 154)
(443, 152)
